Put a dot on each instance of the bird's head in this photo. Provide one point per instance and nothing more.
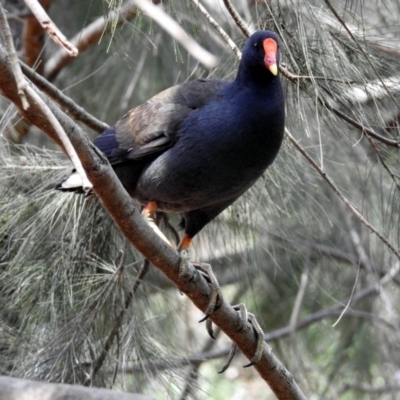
(261, 51)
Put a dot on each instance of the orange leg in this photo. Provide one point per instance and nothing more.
(148, 211)
(185, 242)
(148, 214)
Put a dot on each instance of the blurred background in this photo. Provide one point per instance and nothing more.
(321, 279)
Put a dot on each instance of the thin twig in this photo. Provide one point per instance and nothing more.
(237, 18)
(383, 162)
(175, 30)
(341, 20)
(364, 129)
(98, 363)
(78, 112)
(367, 131)
(89, 35)
(299, 301)
(295, 78)
(345, 309)
(360, 387)
(219, 29)
(347, 202)
(27, 90)
(86, 185)
(49, 26)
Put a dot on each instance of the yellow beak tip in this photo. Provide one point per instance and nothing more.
(274, 69)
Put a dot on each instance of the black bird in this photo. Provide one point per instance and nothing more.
(196, 147)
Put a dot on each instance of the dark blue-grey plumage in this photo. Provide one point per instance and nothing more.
(196, 147)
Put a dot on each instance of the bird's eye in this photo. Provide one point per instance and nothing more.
(256, 46)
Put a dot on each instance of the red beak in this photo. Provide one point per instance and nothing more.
(271, 50)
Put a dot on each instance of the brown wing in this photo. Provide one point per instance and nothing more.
(151, 127)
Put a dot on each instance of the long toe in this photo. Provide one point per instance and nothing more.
(260, 341)
(216, 294)
(245, 316)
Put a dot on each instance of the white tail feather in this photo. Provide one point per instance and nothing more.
(74, 181)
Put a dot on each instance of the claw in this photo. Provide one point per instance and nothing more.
(246, 316)
(260, 341)
(209, 327)
(216, 294)
(228, 359)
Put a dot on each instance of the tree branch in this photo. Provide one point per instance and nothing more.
(24, 91)
(175, 30)
(16, 389)
(237, 18)
(346, 201)
(218, 28)
(127, 217)
(89, 35)
(78, 112)
(49, 26)
(34, 39)
(12, 55)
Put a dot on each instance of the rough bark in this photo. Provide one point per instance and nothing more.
(21, 389)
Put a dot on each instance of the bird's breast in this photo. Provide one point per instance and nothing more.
(219, 153)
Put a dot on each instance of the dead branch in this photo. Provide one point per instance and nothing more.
(16, 389)
(49, 26)
(89, 36)
(33, 39)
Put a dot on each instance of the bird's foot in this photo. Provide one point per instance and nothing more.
(245, 316)
(214, 303)
(216, 294)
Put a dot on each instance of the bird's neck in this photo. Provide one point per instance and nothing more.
(258, 77)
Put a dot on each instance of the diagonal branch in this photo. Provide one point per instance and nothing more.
(25, 91)
(218, 28)
(78, 112)
(127, 217)
(50, 27)
(174, 29)
(237, 18)
(296, 78)
(89, 35)
(342, 197)
(94, 32)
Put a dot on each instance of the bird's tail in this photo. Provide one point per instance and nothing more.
(71, 184)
